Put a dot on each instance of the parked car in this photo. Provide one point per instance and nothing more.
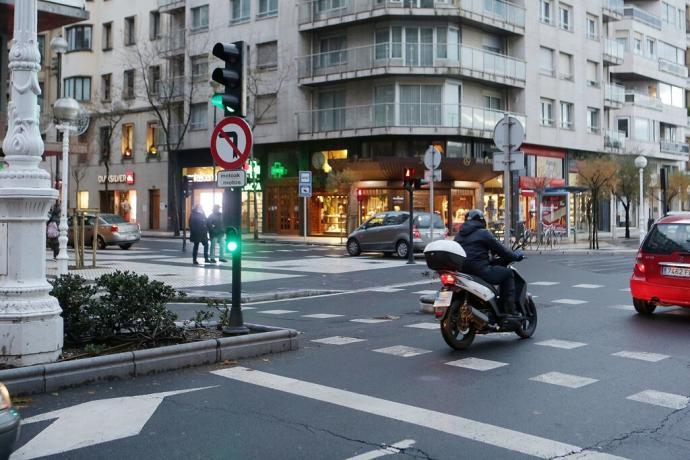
(112, 229)
(9, 423)
(388, 232)
(661, 276)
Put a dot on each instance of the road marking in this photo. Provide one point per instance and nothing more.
(430, 326)
(477, 364)
(569, 301)
(545, 283)
(659, 398)
(564, 380)
(625, 289)
(385, 289)
(565, 344)
(427, 292)
(392, 449)
(588, 286)
(338, 340)
(451, 424)
(623, 307)
(321, 316)
(87, 424)
(278, 312)
(641, 355)
(402, 351)
(369, 320)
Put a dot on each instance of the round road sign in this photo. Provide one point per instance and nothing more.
(231, 142)
(509, 134)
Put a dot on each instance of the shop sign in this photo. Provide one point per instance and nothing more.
(532, 183)
(127, 178)
(201, 177)
(278, 170)
(398, 200)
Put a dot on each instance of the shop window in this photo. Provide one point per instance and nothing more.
(127, 144)
(83, 199)
(151, 140)
(329, 214)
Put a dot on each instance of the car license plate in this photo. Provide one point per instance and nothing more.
(443, 299)
(679, 272)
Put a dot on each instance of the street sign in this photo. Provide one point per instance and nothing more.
(517, 161)
(305, 190)
(231, 142)
(437, 175)
(232, 178)
(432, 158)
(305, 177)
(509, 134)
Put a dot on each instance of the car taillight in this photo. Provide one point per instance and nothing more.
(639, 266)
(415, 232)
(447, 279)
(114, 228)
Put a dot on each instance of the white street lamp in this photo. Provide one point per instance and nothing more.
(641, 163)
(66, 110)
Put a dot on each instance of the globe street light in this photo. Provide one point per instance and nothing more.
(641, 163)
(66, 111)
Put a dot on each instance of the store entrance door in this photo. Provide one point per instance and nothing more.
(282, 210)
(154, 209)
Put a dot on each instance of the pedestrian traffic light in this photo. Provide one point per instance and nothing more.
(408, 178)
(231, 76)
(232, 240)
(360, 195)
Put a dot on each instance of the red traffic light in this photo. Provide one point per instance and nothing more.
(360, 195)
(409, 173)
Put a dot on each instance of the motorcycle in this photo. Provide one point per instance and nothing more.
(467, 305)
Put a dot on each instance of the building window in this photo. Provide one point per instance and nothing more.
(332, 51)
(671, 95)
(155, 79)
(155, 25)
(266, 108)
(199, 117)
(105, 87)
(384, 105)
(41, 42)
(199, 67)
(78, 88)
(565, 17)
(79, 38)
(492, 102)
(267, 55)
(545, 11)
(200, 17)
(642, 130)
(622, 126)
(128, 84)
(240, 10)
(267, 8)
(127, 144)
(546, 61)
(151, 139)
(331, 110)
(565, 66)
(104, 141)
(637, 44)
(592, 27)
(650, 48)
(546, 112)
(107, 38)
(130, 31)
(420, 105)
(592, 73)
(592, 120)
(566, 115)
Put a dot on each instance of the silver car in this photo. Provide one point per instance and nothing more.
(388, 232)
(112, 229)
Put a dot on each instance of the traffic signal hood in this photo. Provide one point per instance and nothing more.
(231, 76)
(233, 240)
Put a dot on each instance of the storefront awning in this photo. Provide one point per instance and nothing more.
(392, 168)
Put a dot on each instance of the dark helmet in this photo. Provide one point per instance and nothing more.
(475, 214)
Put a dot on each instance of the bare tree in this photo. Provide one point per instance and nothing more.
(107, 116)
(598, 174)
(627, 190)
(78, 171)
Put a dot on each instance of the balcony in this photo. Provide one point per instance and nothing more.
(640, 15)
(424, 59)
(612, 10)
(498, 13)
(614, 95)
(642, 100)
(614, 52)
(614, 140)
(399, 119)
(173, 43)
(171, 88)
(676, 148)
(673, 68)
(169, 5)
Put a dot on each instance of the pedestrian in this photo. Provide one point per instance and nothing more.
(198, 232)
(52, 234)
(216, 230)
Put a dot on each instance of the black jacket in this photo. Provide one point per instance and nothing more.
(477, 242)
(215, 224)
(198, 229)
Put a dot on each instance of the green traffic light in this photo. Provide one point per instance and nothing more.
(232, 246)
(217, 100)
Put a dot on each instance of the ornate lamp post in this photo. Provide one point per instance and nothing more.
(641, 163)
(59, 46)
(66, 110)
(30, 322)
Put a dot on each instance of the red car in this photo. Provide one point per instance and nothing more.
(662, 270)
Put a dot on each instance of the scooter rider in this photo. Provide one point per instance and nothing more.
(477, 242)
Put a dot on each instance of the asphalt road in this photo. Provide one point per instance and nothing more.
(623, 382)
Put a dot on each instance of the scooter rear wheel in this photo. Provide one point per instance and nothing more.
(529, 324)
(450, 328)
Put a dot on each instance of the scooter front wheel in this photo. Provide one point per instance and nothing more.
(529, 324)
(450, 328)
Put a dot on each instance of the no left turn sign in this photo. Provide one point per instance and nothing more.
(231, 142)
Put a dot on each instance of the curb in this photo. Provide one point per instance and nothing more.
(43, 378)
(263, 297)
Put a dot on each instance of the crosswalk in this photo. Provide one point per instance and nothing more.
(604, 265)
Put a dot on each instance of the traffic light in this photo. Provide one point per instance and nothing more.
(232, 240)
(186, 185)
(408, 178)
(360, 195)
(232, 77)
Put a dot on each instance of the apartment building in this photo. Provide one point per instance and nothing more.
(356, 90)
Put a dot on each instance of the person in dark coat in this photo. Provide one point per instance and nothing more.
(216, 230)
(198, 232)
(478, 242)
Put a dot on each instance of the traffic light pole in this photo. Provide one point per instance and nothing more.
(233, 218)
(410, 250)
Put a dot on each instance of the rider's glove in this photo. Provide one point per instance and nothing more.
(519, 255)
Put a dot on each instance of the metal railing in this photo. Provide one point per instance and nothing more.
(169, 88)
(391, 115)
(614, 93)
(498, 10)
(673, 68)
(615, 6)
(318, 10)
(614, 139)
(643, 100)
(174, 41)
(431, 55)
(678, 148)
(642, 16)
(614, 50)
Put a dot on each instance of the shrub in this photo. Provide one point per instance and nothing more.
(74, 293)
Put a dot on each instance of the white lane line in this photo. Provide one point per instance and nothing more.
(385, 289)
(659, 398)
(430, 326)
(623, 307)
(569, 301)
(545, 283)
(564, 380)
(477, 364)
(641, 355)
(338, 340)
(565, 344)
(321, 316)
(588, 286)
(427, 292)
(451, 424)
(625, 289)
(402, 351)
(370, 320)
(392, 449)
(277, 312)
